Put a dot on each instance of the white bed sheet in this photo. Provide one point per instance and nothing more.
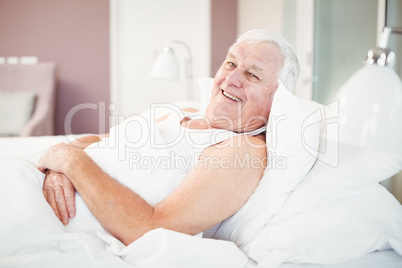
(158, 248)
(31, 235)
(377, 259)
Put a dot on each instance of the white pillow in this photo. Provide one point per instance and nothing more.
(205, 85)
(315, 223)
(15, 110)
(289, 162)
(339, 231)
(358, 169)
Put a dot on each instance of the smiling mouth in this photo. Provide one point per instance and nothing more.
(230, 96)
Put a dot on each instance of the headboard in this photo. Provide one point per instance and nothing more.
(39, 78)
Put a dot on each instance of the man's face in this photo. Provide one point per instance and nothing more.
(242, 91)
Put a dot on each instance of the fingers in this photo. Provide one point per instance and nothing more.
(59, 192)
(69, 194)
(42, 160)
(51, 199)
(41, 167)
(61, 205)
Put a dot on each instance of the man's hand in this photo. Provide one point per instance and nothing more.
(58, 189)
(59, 192)
(56, 156)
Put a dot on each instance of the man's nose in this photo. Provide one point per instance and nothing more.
(235, 78)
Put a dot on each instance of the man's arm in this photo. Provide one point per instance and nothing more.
(214, 190)
(58, 190)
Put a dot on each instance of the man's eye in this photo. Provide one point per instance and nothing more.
(230, 65)
(252, 76)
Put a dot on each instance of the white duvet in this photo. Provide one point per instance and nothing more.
(31, 235)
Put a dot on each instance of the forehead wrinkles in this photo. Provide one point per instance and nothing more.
(266, 52)
(257, 55)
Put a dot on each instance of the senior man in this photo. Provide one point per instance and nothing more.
(241, 99)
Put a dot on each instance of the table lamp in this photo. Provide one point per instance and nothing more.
(166, 66)
(370, 102)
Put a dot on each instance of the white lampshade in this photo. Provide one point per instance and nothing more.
(165, 66)
(370, 109)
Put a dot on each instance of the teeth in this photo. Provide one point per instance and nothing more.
(230, 96)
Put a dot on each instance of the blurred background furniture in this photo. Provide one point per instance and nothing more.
(27, 99)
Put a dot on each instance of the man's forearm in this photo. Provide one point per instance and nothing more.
(120, 211)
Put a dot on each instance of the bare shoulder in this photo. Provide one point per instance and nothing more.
(240, 153)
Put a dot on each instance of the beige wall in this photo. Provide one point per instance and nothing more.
(259, 14)
(75, 35)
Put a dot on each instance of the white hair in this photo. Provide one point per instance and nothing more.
(290, 70)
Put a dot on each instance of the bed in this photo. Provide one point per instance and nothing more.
(330, 211)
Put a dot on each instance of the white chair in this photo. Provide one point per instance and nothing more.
(40, 79)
